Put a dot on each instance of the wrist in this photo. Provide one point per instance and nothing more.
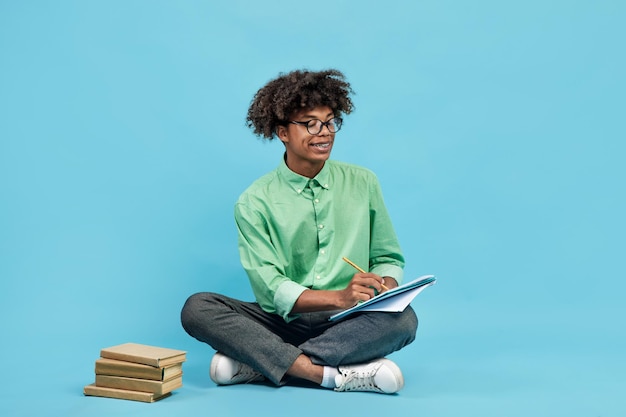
(390, 282)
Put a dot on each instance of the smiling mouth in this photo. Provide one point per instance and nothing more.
(321, 145)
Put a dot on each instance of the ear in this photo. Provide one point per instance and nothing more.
(282, 134)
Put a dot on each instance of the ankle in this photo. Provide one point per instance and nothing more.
(328, 380)
(303, 368)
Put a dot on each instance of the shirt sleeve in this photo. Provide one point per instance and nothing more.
(386, 257)
(273, 290)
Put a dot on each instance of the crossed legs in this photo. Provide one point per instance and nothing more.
(300, 348)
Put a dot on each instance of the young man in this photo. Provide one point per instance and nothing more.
(295, 224)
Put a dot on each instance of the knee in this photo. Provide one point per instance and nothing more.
(191, 314)
(187, 313)
(407, 323)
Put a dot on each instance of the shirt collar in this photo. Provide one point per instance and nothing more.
(299, 182)
(323, 177)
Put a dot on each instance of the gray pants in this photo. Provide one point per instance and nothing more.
(264, 341)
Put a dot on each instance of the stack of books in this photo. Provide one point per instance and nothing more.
(137, 372)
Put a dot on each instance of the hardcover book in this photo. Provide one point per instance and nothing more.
(121, 394)
(115, 367)
(135, 384)
(148, 355)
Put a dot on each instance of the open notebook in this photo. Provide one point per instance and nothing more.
(395, 300)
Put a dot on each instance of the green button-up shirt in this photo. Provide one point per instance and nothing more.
(294, 231)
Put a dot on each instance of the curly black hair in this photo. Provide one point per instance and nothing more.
(274, 103)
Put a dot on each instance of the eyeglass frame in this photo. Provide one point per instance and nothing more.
(322, 124)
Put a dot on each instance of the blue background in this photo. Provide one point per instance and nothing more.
(497, 132)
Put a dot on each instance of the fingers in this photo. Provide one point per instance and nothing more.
(363, 293)
(368, 280)
(366, 285)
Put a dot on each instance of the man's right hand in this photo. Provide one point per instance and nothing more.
(362, 287)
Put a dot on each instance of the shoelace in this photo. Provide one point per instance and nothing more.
(246, 374)
(360, 381)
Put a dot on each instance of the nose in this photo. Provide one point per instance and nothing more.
(325, 130)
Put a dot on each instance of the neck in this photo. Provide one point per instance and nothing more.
(308, 170)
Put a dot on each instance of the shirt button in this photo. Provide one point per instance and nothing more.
(321, 226)
(322, 251)
(317, 200)
(318, 277)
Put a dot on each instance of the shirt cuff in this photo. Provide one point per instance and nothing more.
(389, 270)
(285, 297)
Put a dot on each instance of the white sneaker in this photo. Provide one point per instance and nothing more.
(227, 371)
(381, 375)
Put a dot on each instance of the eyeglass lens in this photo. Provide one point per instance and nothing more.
(315, 126)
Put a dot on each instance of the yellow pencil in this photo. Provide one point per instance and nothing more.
(358, 268)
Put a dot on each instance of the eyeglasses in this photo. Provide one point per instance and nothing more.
(315, 126)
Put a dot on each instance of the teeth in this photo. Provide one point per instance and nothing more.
(321, 145)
